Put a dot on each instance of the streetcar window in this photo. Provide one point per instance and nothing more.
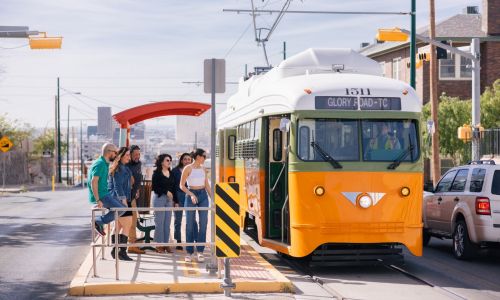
(277, 144)
(388, 140)
(231, 143)
(304, 144)
(337, 137)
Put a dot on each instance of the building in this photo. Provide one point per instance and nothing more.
(104, 122)
(193, 130)
(454, 72)
(91, 130)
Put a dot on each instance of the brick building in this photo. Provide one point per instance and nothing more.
(454, 72)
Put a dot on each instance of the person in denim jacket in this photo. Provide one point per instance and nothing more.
(120, 185)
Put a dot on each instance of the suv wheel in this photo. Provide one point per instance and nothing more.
(426, 237)
(463, 248)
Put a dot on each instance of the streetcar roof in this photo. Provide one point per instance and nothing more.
(296, 83)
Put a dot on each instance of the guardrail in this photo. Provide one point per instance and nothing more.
(211, 267)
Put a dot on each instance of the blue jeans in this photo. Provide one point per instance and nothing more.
(109, 201)
(162, 218)
(191, 226)
(181, 196)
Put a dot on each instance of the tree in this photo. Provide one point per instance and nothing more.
(453, 113)
(14, 130)
(46, 142)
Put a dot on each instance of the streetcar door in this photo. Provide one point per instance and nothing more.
(219, 154)
(277, 174)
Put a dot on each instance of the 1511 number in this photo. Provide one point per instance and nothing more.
(357, 91)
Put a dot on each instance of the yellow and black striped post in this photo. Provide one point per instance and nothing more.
(227, 220)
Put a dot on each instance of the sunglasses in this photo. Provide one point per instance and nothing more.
(167, 160)
(114, 151)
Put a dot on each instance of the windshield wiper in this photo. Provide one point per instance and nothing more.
(326, 156)
(400, 158)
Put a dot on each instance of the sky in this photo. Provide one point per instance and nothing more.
(127, 53)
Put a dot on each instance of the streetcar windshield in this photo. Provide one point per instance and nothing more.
(337, 137)
(388, 140)
(356, 140)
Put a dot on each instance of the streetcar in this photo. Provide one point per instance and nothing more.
(327, 154)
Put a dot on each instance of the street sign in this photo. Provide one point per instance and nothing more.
(219, 73)
(5, 144)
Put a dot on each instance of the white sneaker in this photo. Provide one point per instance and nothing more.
(200, 257)
(187, 258)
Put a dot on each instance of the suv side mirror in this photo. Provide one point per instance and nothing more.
(429, 187)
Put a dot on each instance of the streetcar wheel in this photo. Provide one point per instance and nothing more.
(463, 248)
(426, 237)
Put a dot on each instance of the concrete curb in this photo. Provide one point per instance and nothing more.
(79, 286)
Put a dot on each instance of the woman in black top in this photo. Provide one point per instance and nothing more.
(163, 185)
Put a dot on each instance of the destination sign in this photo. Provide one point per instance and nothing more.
(336, 102)
(380, 103)
(352, 103)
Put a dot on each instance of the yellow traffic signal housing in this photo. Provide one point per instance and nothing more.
(465, 133)
(44, 42)
(418, 63)
(424, 56)
(392, 35)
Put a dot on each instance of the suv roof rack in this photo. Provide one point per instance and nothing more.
(482, 162)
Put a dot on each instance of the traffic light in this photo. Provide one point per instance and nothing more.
(45, 42)
(391, 35)
(424, 56)
(442, 53)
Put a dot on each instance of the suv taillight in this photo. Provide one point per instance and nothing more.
(483, 206)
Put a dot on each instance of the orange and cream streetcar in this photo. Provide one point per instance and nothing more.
(327, 154)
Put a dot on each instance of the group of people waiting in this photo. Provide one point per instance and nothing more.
(114, 182)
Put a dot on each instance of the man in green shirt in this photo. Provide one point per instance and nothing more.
(98, 187)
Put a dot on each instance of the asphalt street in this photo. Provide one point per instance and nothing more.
(44, 237)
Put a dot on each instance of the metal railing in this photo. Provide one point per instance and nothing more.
(116, 244)
(490, 142)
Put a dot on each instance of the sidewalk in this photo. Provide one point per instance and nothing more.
(154, 273)
(23, 188)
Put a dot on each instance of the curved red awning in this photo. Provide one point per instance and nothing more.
(159, 109)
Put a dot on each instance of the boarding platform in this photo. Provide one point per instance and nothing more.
(155, 273)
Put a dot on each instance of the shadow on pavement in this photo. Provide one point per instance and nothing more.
(31, 290)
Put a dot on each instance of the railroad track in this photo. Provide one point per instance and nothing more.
(301, 267)
(443, 290)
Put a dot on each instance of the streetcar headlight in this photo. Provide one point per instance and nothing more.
(405, 191)
(319, 190)
(365, 201)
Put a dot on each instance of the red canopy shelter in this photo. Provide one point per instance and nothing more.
(140, 113)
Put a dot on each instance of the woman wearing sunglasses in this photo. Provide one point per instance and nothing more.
(163, 185)
(197, 192)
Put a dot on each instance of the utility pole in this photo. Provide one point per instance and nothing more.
(81, 153)
(58, 117)
(56, 142)
(476, 98)
(413, 43)
(73, 156)
(284, 50)
(67, 151)
(435, 161)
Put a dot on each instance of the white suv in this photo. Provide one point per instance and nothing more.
(465, 206)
